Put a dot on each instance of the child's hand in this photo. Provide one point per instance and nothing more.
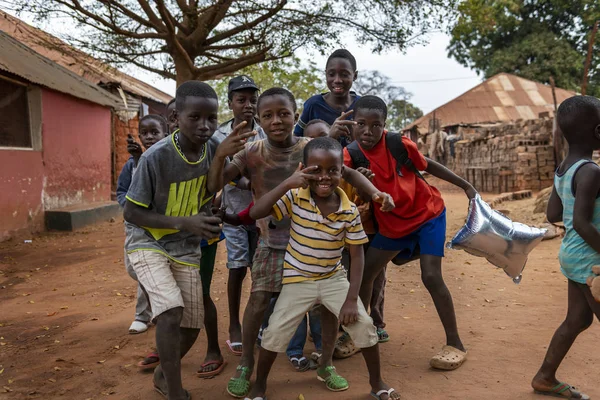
(386, 201)
(134, 148)
(244, 184)
(232, 219)
(366, 172)
(234, 142)
(471, 193)
(301, 177)
(349, 312)
(342, 127)
(204, 226)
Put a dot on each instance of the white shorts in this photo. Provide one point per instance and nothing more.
(170, 285)
(296, 299)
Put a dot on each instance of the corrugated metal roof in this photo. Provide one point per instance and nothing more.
(503, 97)
(22, 61)
(75, 60)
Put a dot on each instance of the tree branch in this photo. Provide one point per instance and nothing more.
(161, 72)
(248, 26)
(126, 11)
(208, 20)
(76, 6)
(160, 26)
(233, 65)
(167, 17)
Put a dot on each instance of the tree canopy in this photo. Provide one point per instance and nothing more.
(206, 39)
(534, 39)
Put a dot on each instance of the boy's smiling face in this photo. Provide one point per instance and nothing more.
(150, 132)
(277, 117)
(243, 105)
(198, 119)
(339, 75)
(369, 127)
(328, 173)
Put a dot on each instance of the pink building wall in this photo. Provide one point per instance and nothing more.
(74, 166)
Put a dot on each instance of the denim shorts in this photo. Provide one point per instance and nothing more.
(241, 245)
(429, 238)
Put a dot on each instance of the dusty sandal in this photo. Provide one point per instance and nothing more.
(448, 359)
(301, 364)
(564, 391)
(344, 347)
(333, 381)
(151, 361)
(239, 387)
(388, 392)
(315, 360)
(211, 374)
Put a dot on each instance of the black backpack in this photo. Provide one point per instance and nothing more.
(394, 143)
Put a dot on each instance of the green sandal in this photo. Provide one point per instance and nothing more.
(334, 382)
(382, 335)
(240, 387)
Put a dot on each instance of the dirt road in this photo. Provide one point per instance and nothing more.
(66, 303)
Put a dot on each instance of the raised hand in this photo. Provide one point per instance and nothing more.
(342, 127)
(234, 142)
(386, 201)
(301, 177)
(134, 148)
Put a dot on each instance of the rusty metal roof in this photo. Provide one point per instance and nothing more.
(76, 60)
(503, 97)
(20, 60)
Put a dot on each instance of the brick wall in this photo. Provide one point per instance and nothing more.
(123, 124)
(505, 157)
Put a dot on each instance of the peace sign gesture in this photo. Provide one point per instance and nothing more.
(301, 177)
(342, 127)
(234, 142)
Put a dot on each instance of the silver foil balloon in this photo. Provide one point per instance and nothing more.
(490, 234)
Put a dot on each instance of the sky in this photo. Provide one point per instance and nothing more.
(424, 70)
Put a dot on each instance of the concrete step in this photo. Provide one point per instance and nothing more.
(77, 216)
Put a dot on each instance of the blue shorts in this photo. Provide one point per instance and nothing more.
(429, 238)
(241, 245)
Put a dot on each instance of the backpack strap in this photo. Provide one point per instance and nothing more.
(359, 160)
(394, 144)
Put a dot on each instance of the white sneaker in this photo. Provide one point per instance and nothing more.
(138, 327)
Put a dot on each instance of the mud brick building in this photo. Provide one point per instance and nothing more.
(505, 157)
(498, 135)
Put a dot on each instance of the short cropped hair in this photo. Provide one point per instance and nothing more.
(322, 143)
(578, 114)
(315, 122)
(371, 103)
(345, 54)
(193, 89)
(158, 118)
(277, 91)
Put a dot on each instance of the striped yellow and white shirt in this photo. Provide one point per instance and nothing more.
(316, 241)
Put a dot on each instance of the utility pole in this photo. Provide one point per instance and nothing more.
(588, 59)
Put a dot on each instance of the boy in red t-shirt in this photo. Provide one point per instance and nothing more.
(418, 223)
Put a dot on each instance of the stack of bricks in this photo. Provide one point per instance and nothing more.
(505, 157)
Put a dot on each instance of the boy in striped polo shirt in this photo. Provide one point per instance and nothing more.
(323, 222)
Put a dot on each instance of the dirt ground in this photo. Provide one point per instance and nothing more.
(67, 302)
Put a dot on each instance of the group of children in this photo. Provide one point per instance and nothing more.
(316, 207)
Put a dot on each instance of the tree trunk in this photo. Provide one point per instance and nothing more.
(183, 72)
